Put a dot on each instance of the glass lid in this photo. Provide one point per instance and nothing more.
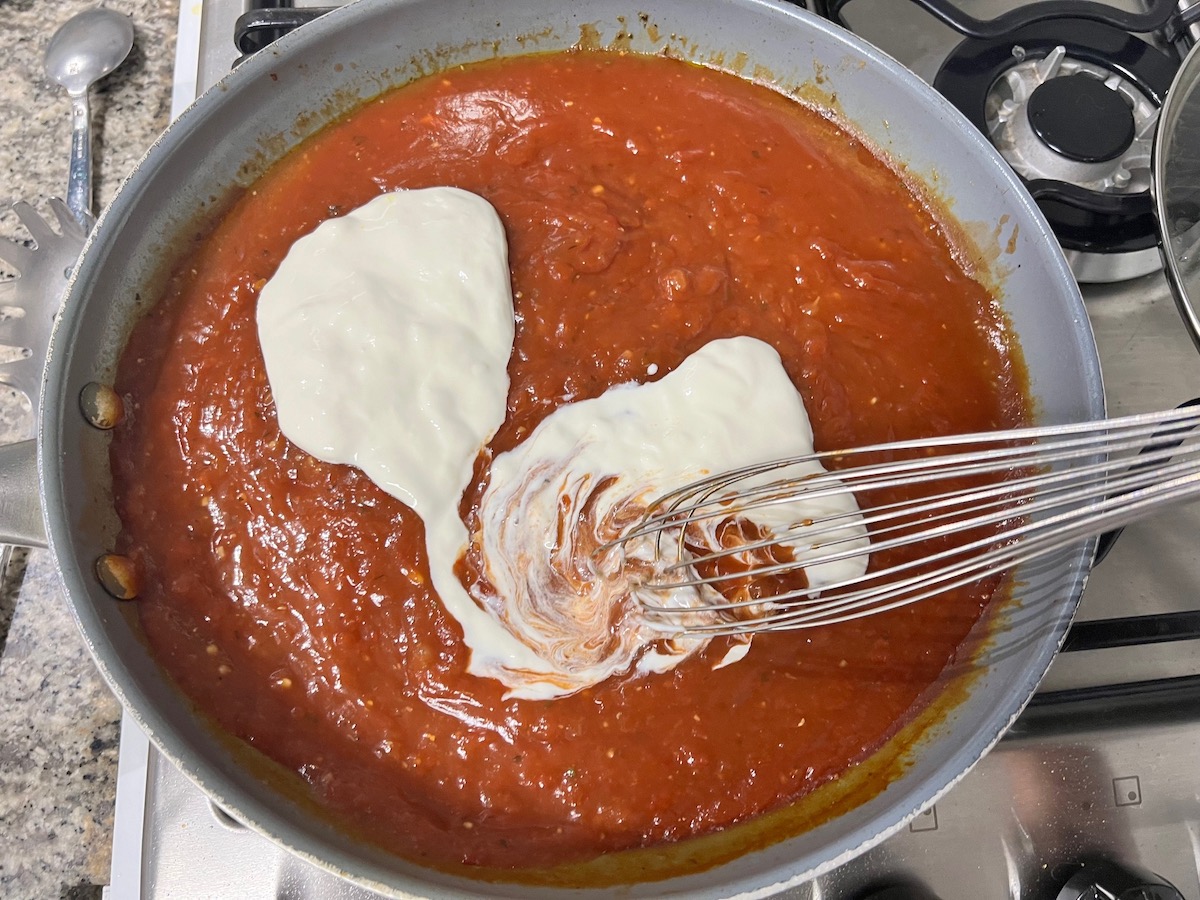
(1177, 189)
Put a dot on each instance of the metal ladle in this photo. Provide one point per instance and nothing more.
(85, 49)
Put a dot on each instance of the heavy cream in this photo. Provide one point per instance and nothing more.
(386, 335)
(584, 476)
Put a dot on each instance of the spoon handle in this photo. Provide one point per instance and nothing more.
(79, 175)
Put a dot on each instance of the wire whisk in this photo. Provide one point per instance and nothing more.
(929, 516)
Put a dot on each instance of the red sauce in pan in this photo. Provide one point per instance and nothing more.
(651, 206)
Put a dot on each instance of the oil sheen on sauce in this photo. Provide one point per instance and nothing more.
(386, 334)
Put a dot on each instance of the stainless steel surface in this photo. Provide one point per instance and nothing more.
(83, 50)
(1117, 775)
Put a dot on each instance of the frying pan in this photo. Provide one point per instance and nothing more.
(290, 90)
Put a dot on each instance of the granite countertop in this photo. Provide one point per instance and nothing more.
(60, 724)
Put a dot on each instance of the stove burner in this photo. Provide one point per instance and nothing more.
(1062, 109)
(1105, 878)
(1090, 170)
(1068, 120)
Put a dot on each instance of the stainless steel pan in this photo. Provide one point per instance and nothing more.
(289, 91)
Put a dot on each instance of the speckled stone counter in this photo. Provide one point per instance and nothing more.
(59, 725)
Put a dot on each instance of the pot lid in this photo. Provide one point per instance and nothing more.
(1177, 188)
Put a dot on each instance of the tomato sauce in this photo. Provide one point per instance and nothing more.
(651, 206)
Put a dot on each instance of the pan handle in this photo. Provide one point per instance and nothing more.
(21, 521)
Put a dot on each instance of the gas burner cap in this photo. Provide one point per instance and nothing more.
(1072, 106)
(1062, 109)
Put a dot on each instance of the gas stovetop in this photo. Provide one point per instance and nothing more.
(1104, 766)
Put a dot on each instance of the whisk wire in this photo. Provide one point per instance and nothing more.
(1009, 498)
(1053, 489)
(893, 596)
(907, 471)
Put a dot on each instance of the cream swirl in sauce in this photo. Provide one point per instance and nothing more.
(386, 335)
(585, 475)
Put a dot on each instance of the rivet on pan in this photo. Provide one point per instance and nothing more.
(100, 405)
(118, 575)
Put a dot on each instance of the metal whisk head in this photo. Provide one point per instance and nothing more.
(936, 515)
